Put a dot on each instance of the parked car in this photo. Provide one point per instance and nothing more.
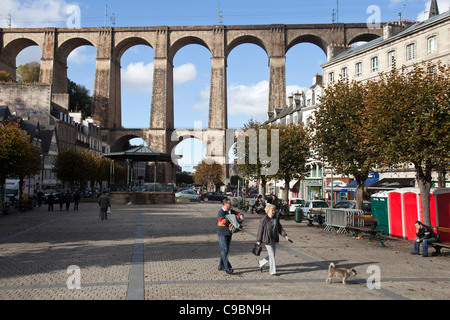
(295, 203)
(351, 204)
(212, 196)
(187, 194)
(314, 209)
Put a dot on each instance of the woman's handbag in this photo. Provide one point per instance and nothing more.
(257, 250)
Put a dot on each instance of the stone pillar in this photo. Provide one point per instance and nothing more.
(277, 69)
(161, 115)
(48, 58)
(106, 111)
(218, 88)
(53, 67)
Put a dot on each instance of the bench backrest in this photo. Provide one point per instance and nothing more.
(441, 229)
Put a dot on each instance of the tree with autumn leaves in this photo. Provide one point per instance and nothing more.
(407, 120)
(404, 117)
(208, 172)
(19, 158)
(78, 167)
(337, 133)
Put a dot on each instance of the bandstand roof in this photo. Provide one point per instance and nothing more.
(140, 153)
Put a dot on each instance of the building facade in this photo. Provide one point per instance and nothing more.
(404, 44)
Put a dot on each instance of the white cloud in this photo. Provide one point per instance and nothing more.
(184, 73)
(37, 13)
(248, 100)
(253, 100)
(137, 77)
(203, 100)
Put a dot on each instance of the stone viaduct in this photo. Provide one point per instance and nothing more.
(220, 40)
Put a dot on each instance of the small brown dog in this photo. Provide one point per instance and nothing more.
(341, 273)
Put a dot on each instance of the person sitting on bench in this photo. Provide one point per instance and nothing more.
(425, 235)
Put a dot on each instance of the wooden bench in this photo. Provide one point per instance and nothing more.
(375, 231)
(438, 245)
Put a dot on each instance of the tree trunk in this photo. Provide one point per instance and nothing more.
(286, 190)
(262, 187)
(441, 176)
(361, 178)
(2, 188)
(359, 192)
(424, 181)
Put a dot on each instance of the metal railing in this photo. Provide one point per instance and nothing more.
(341, 218)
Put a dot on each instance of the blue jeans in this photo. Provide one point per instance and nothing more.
(224, 244)
(424, 244)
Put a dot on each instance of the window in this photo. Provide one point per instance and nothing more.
(331, 78)
(358, 69)
(344, 74)
(432, 44)
(410, 52)
(391, 58)
(374, 64)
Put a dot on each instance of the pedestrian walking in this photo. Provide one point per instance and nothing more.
(68, 199)
(40, 197)
(424, 235)
(104, 204)
(268, 233)
(224, 234)
(76, 199)
(61, 200)
(50, 201)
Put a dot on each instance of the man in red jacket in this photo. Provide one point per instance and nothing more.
(224, 234)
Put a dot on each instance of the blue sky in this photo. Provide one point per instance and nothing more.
(247, 71)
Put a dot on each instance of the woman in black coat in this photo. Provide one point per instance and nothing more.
(268, 233)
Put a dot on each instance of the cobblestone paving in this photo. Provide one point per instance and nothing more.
(171, 252)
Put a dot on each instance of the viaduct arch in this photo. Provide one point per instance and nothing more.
(111, 43)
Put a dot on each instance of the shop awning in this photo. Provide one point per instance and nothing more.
(369, 181)
(393, 183)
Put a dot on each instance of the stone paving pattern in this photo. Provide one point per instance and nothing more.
(180, 257)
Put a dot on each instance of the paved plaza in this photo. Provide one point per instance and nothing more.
(171, 252)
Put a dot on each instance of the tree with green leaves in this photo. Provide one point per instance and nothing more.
(29, 72)
(79, 98)
(249, 140)
(407, 119)
(69, 166)
(338, 140)
(294, 153)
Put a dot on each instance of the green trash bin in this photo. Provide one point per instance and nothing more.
(240, 204)
(298, 215)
